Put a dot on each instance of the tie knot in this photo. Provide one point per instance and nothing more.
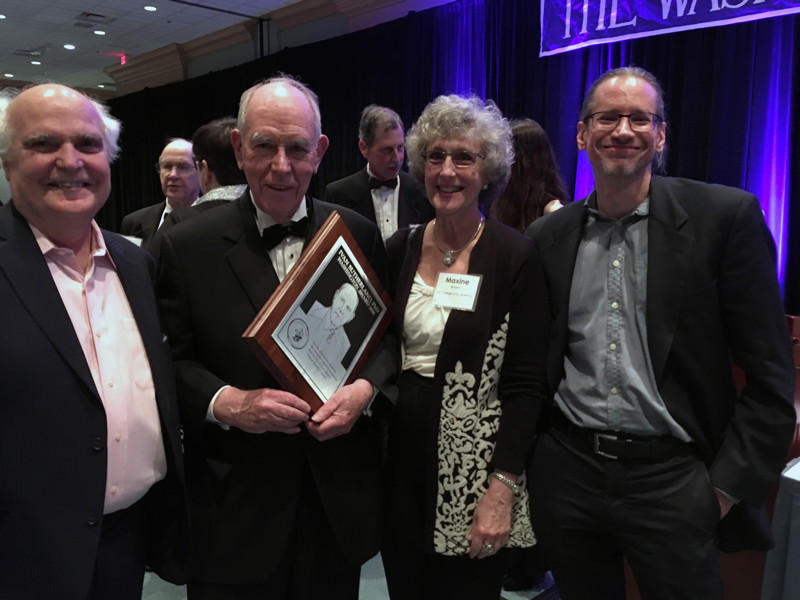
(275, 234)
(375, 183)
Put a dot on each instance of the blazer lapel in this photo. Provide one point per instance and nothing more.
(150, 225)
(668, 256)
(138, 286)
(364, 203)
(26, 270)
(409, 211)
(247, 256)
(558, 249)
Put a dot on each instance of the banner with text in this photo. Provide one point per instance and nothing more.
(572, 24)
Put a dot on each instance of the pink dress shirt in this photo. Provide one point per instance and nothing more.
(107, 331)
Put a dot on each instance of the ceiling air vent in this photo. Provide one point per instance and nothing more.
(33, 52)
(93, 19)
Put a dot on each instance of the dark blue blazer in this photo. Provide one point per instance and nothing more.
(53, 428)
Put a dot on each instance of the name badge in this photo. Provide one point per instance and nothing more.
(457, 291)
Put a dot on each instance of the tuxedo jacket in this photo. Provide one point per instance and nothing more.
(143, 223)
(712, 299)
(53, 432)
(353, 192)
(214, 277)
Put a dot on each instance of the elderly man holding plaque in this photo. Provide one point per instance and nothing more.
(284, 504)
(471, 310)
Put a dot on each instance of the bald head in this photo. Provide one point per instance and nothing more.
(111, 126)
(278, 144)
(179, 178)
(57, 149)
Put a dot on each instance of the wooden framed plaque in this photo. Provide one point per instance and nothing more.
(324, 320)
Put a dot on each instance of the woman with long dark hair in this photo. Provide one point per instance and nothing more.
(535, 187)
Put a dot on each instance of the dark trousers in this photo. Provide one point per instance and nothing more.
(589, 512)
(119, 566)
(413, 570)
(313, 568)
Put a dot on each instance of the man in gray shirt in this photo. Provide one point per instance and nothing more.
(656, 284)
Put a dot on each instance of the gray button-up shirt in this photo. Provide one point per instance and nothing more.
(609, 382)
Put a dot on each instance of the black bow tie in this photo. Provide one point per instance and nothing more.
(375, 183)
(274, 234)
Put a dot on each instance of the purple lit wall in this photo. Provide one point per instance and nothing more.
(460, 41)
(769, 151)
(735, 131)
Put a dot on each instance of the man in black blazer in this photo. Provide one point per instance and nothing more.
(656, 286)
(283, 505)
(381, 191)
(91, 484)
(180, 182)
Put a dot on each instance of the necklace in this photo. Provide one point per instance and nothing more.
(449, 256)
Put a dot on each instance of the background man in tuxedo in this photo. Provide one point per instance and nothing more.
(90, 458)
(177, 171)
(220, 178)
(655, 285)
(381, 191)
(284, 505)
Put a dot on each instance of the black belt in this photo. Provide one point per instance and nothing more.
(621, 446)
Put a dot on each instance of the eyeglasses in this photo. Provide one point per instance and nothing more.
(181, 168)
(461, 158)
(639, 121)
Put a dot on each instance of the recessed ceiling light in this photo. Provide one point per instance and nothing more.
(100, 85)
(150, 8)
(9, 75)
(35, 62)
(99, 32)
(69, 46)
(2, 16)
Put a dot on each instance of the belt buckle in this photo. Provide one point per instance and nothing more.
(596, 445)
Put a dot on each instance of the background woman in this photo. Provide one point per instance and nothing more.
(536, 187)
(471, 312)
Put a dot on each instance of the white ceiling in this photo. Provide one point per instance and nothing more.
(39, 29)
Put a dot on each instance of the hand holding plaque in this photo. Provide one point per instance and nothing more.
(323, 321)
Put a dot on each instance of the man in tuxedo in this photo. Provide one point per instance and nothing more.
(381, 191)
(177, 171)
(91, 484)
(656, 284)
(284, 504)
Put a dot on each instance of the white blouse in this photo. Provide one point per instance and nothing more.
(423, 327)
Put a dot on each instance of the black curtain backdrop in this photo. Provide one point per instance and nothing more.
(721, 86)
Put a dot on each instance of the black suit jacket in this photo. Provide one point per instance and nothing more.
(353, 192)
(143, 223)
(712, 298)
(53, 431)
(215, 275)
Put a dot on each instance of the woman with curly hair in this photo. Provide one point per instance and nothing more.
(471, 314)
